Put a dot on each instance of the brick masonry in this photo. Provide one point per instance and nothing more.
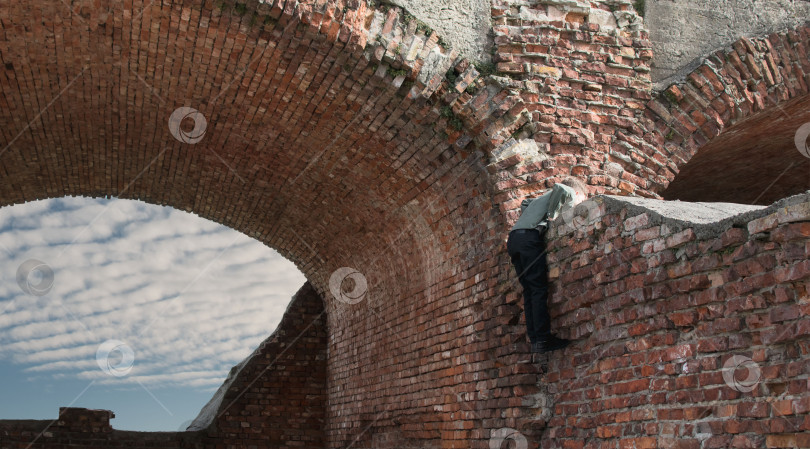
(346, 134)
(754, 92)
(277, 399)
(78, 427)
(658, 307)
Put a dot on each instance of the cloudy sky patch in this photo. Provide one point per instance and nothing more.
(188, 297)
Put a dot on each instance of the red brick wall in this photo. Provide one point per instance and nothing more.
(327, 142)
(582, 85)
(276, 400)
(85, 428)
(658, 306)
(754, 92)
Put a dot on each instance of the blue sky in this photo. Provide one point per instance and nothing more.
(146, 310)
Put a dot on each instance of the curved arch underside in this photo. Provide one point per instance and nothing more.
(309, 147)
(315, 144)
(754, 161)
(316, 147)
(727, 132)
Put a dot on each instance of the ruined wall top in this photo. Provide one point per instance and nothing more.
(466, 24)
(682, 32)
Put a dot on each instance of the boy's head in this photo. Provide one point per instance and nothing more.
(579, 187)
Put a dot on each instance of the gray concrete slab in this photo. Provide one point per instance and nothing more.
(706, 219)
(690, 212)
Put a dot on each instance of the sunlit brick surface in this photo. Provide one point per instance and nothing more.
(659, 307)
(734, 120)
(345, 135)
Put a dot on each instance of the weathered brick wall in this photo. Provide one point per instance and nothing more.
(581, 70)
(754, 92)
(658, 306)
(584, 72)
(277, 396)
(275, 399)
(77, 427)
(344, 134)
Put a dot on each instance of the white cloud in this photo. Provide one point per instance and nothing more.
(190, 297)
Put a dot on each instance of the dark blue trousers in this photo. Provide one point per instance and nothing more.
(527, 248)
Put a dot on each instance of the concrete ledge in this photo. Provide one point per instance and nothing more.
(706, 219)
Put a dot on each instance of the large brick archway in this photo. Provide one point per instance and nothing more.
(311, 145)
(334, 133)
(728, 130)
(344, 135)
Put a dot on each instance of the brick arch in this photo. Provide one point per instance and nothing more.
(321, 121)
(726, 133)
(338, 134)
(436, 356)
